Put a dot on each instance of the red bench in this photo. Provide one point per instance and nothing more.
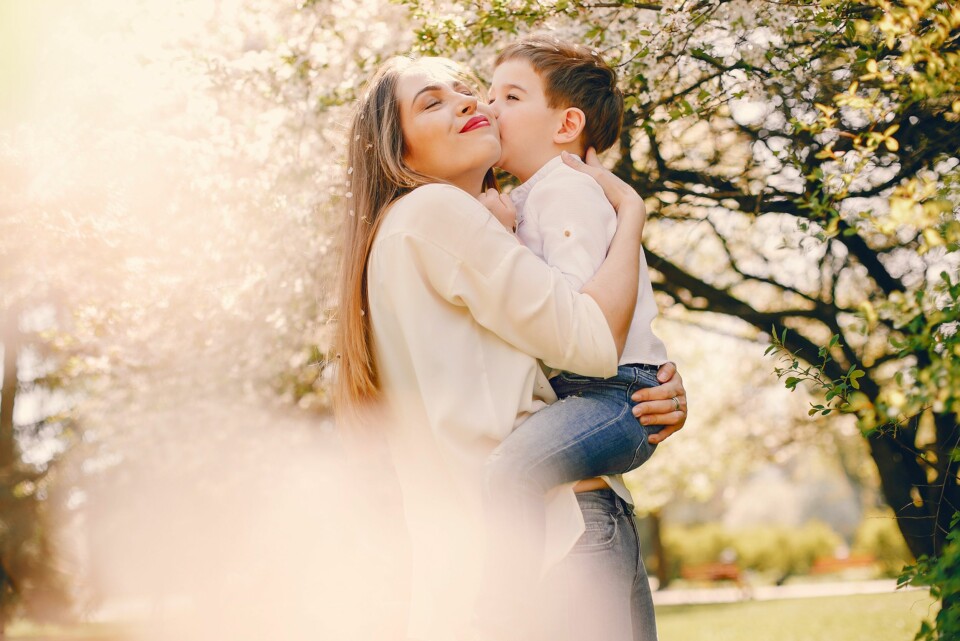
(831, 564)
(712, 572)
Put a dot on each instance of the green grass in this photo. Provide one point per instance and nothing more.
(870, 617)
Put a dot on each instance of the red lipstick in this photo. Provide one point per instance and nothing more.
(474, 123)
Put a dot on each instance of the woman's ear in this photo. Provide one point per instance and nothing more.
(572, 123)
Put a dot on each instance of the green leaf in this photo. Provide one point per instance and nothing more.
(855, 376)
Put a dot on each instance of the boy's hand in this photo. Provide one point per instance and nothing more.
(501, 207)
(617, 192)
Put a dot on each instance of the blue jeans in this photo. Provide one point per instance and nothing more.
(590, 432)
(600, 590)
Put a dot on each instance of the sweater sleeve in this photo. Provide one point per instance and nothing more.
(471, 261)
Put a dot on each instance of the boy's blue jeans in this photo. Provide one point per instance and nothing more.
(590, 432)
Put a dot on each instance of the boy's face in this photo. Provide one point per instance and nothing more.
(527, 124)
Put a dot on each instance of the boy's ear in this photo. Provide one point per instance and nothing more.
(572, 123)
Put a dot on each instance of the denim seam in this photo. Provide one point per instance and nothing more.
(636, 572)
(636, 453)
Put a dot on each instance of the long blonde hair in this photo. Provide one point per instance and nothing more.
(376, 175)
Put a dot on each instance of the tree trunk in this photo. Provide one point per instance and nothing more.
(946, 490)
(11, 348)
(11, 339)
(659, 552)
(6, 585)
(902, 480)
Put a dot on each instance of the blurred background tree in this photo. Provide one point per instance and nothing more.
(168, 180)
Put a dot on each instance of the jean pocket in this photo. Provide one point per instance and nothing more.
(600, 531)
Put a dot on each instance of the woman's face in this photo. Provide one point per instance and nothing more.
(448, 132)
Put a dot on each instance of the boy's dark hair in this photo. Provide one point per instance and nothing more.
(573, 76)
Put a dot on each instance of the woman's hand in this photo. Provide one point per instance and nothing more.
(663, 405)
(501, 207)
(617, 192)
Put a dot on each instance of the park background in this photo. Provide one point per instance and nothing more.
(171, 180)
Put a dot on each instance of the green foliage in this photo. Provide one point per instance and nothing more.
(941, 574)
(441, 27)
(904, 61)
(695, 545)
(836, 391)
(777, 550)
(929, 322)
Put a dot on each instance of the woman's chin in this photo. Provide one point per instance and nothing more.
(494, 155)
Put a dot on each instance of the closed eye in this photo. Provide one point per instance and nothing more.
(462, 88)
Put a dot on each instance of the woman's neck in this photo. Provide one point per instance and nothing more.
(470, 183)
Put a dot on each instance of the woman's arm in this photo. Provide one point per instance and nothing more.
(441, 237)
(666, 404)
(663, 405)
(615, 284)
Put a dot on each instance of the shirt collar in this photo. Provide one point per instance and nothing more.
(520, 193)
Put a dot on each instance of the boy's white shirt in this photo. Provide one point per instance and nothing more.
(564, 218)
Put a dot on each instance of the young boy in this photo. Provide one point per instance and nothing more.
(551, 97)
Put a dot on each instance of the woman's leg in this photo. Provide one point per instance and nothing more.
(573, 439)
(591, 432)
(600, 590)
(641, 597)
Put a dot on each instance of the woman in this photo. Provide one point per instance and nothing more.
(443, 317)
